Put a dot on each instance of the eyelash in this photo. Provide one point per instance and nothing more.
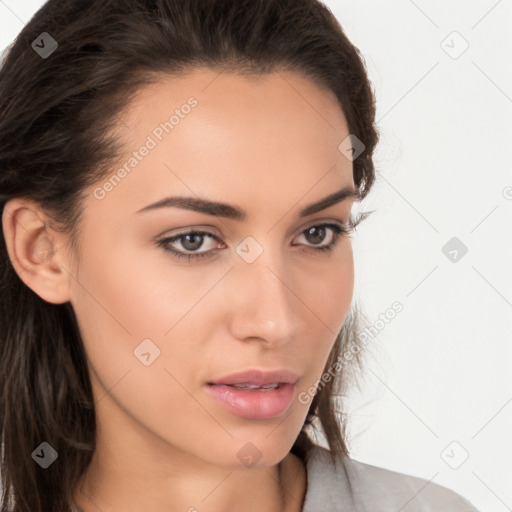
(339, 231)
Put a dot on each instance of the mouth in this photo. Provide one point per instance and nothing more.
(249, 386)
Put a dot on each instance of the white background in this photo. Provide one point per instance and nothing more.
(438, 372)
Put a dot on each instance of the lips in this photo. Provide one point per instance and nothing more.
(253, 404)
(255, 378)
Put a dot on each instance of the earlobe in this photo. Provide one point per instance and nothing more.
(34, 250)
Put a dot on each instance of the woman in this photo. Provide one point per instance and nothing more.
(177, 180)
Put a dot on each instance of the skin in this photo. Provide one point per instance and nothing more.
(268, 144)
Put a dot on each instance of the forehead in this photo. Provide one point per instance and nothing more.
(227, 136)
(241, 106)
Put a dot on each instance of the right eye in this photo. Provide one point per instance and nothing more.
(190, 241)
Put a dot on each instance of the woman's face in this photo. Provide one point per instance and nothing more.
(256, 293)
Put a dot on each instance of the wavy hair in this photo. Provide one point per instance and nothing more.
(57, 116)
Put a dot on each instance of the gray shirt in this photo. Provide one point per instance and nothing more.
(354, 486)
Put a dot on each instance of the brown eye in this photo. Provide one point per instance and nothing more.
(315, 235)
(189, 241)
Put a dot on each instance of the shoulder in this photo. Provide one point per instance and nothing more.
(355, 486)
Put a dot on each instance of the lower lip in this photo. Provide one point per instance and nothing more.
(255, 404)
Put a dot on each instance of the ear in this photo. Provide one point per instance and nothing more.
(37, 252)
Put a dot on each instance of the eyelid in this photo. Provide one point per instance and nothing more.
(316, 222)
(351, 224)
(214, 232)
(172, 233)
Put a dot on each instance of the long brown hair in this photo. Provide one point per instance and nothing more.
(56, 113)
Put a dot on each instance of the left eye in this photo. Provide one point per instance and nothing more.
(318, 232)
(193, 240)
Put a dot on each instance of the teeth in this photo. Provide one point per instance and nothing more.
(247, 385)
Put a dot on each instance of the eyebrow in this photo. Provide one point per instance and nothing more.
(235, 213)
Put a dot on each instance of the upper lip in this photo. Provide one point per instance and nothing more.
(258, 377)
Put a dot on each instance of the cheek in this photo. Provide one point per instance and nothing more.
(330, 290)
(327, 296)
(130, 308)
(143, 332)
(128, 299)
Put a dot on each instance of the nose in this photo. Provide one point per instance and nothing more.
(265, 304)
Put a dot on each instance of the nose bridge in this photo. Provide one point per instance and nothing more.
(267, 307)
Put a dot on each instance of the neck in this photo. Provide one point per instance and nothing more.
(280, 488)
